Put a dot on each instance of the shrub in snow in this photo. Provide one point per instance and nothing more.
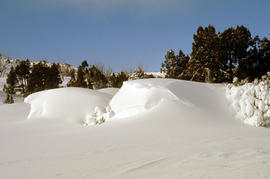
(140, 74)
(99, 116)
(251, 101)
(9, 99)
(116, 79)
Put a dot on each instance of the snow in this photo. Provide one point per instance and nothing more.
(2, 94)
(139, 96)
(156, 74)
(251, 102)
(177, 129)
(65, 81)
(68, 104)
(111, 91)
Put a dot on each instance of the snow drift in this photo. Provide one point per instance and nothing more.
(69, 104)
(140, 96)
(136, 97)
(251, 102)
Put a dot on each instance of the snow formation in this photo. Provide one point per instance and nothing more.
(251, 102)
(68, 104)
(135, 98)
(140, 96)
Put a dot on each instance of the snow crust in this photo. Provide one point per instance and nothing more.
(68, 104)
(251, 102)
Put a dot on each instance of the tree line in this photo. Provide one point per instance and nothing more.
(219, 57)
(26, 78)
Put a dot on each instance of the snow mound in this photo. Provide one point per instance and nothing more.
(68, 104)
(251, 102)
(134, 98)
(139, 96)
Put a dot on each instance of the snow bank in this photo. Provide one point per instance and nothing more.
(139, 96)
(68, 104)
(251, 102)
(134, 98)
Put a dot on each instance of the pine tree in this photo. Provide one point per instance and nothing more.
(9, 99)
(84, 64)
(96, 78)
(22, 72)
(175, 66)
(257, 61)
(116, 79)
(205, 63)
(234, 42)
(11, 81)
(36, 78)
(52, 78)
(80, 81)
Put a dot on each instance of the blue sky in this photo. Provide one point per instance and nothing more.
(118, 33)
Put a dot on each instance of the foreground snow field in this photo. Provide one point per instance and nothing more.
(161, 129)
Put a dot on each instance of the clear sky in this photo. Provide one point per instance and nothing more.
(118, 33)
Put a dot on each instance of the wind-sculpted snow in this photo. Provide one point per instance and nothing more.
(139, 96)
(68, 104)
(251, 102)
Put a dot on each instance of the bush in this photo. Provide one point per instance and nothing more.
(9, 99)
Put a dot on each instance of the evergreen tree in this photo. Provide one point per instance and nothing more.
(11, 81)
(84, 64)
(234, 43)
(257, 61)
(116, 79)
(80, 81)
(36, 80)
(43, 77)
(52, 78)
(9, 99)
(96, 78)
(205, 63)
(22, 72)
(175, 65)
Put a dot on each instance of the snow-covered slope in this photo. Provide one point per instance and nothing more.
(185, 130)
